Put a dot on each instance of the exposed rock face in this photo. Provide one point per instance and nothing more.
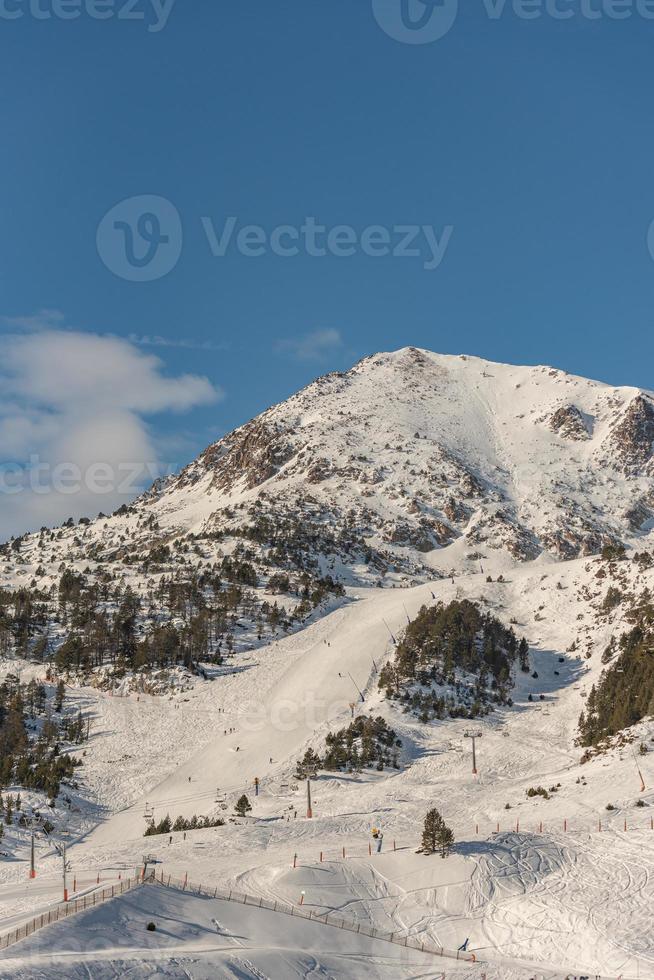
(501, 530)
(253, 454)
(641, 512)
(631, 442)
(575, 542)
(569, 422)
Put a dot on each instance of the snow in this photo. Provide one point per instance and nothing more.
(204, 938)
(575, 899)
(565, 899)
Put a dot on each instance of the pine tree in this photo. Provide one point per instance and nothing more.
(243, 806)
(59, 696)
(445, 840)
(523, 655)
(308, 765)
(436, 835)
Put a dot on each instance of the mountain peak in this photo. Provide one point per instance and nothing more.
(419, 452)
(413, 461)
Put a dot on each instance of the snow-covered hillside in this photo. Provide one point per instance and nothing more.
(416, 450)
(450, 479)
(386, 465)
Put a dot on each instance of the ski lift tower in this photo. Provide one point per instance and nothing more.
(311, 772)
(61, 851)
(35, 823)
(147, 859)
(474, 736)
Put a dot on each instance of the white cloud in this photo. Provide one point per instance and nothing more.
(314, 346)
(43, 320)
(73, 409)
(185, 343)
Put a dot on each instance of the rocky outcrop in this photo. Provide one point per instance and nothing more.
(569, 423)
(630, 444)
(252, 454)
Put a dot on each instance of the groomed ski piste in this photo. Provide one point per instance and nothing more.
(564, 888)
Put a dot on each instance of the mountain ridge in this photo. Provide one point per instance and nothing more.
(411, 464)
(325, 435)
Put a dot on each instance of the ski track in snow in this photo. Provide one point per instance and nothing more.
(557, 902)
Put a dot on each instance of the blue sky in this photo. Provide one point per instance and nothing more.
(525, 147)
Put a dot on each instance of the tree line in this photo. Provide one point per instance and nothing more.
(442, 650)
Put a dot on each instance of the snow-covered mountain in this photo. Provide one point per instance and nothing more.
(412, 462)
(223, 625)
(415, 451)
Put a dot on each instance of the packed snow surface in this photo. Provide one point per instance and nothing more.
(548, 467)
